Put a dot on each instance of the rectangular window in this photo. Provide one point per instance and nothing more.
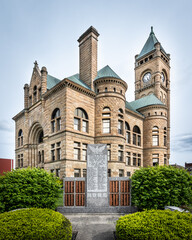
(165, 140)
(139, 160)
(120, 127)
(128, 158)
(58, 150)
(121, 173)
(58, 153)
(53, 152)
(76, 144)
(134, 139)
(109, 172)
(84, 157)
(120, 156)
(155, 159)
(77, 172)
(21, 160)
(77, 124)
(84, 126)
(106, 125)
(165, 159)
(58, 124)
(155, 140)
(109, 152)
(139, 140)
(18, 160)
(128, 137)
(76, 153)
(84, 172)
(53, 126)
(42, 156)
(58, 172)
(128, 174)
(134, 159)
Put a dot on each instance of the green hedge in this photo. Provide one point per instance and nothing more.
(34, 223)
(155, 224)
(25, 188)
(157, 187)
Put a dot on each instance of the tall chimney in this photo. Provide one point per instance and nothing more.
(88, 56)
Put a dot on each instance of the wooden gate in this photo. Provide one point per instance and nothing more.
(119, 192)
(74, 192)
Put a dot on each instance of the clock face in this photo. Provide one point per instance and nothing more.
(162, 77)
(147, 77)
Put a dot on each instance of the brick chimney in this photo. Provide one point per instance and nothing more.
(88, 56)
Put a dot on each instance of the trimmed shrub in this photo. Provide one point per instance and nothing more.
(34, 223)
(25, 188)
(155, 224)
(156, 187)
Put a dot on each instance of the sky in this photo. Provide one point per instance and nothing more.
(47, 31)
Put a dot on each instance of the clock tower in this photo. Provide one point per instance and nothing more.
(152, 76)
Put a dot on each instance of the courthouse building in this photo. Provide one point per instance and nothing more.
(61, 117)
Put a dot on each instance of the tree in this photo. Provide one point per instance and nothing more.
(26, 188)
(156, 187)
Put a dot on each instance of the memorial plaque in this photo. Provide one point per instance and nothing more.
(97, 179)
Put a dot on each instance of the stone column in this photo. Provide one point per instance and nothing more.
(26, 96)
(44, 80)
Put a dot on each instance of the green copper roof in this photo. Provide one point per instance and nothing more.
(145, 101)
(106, 72)
(150, 45)
(75, 79)
(51, 81)
(128, 106)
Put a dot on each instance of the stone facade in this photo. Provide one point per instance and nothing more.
(61, 117)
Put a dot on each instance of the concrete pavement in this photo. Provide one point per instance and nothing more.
(94, 226)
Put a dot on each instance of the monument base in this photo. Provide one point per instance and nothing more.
(119, 209)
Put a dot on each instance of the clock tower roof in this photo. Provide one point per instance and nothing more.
(150, 45)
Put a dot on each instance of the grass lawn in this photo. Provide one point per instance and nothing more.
(59, 202)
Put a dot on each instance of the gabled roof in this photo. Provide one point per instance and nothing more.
(75, 79)
(51, 81)
(145, 101)
(106, 72)
(150, 45)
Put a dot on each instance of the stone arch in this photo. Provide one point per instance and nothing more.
(35, 132)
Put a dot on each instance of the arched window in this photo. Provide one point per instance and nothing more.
(136, 136)
(34, 93)
(106, 120)
(39, 156)
(81, 120)
(120, 121)
(128, 133)
(20, 138)
(155, 136)
(165, 136)
(40, 139)
(56, 120)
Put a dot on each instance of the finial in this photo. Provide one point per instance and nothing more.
(152, 30)
(35, 63)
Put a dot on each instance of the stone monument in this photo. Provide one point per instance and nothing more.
(97, 179)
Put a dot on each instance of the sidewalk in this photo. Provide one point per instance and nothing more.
(95, 226)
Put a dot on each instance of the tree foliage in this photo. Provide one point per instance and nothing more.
(156, 187)
(34, 223)
(155, 224)
(26, 188)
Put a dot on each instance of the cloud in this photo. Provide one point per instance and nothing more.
(5, 126)
(182, 143)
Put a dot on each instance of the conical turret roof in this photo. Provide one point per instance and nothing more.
(150, 45)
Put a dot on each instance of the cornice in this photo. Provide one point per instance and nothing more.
(111, 79)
